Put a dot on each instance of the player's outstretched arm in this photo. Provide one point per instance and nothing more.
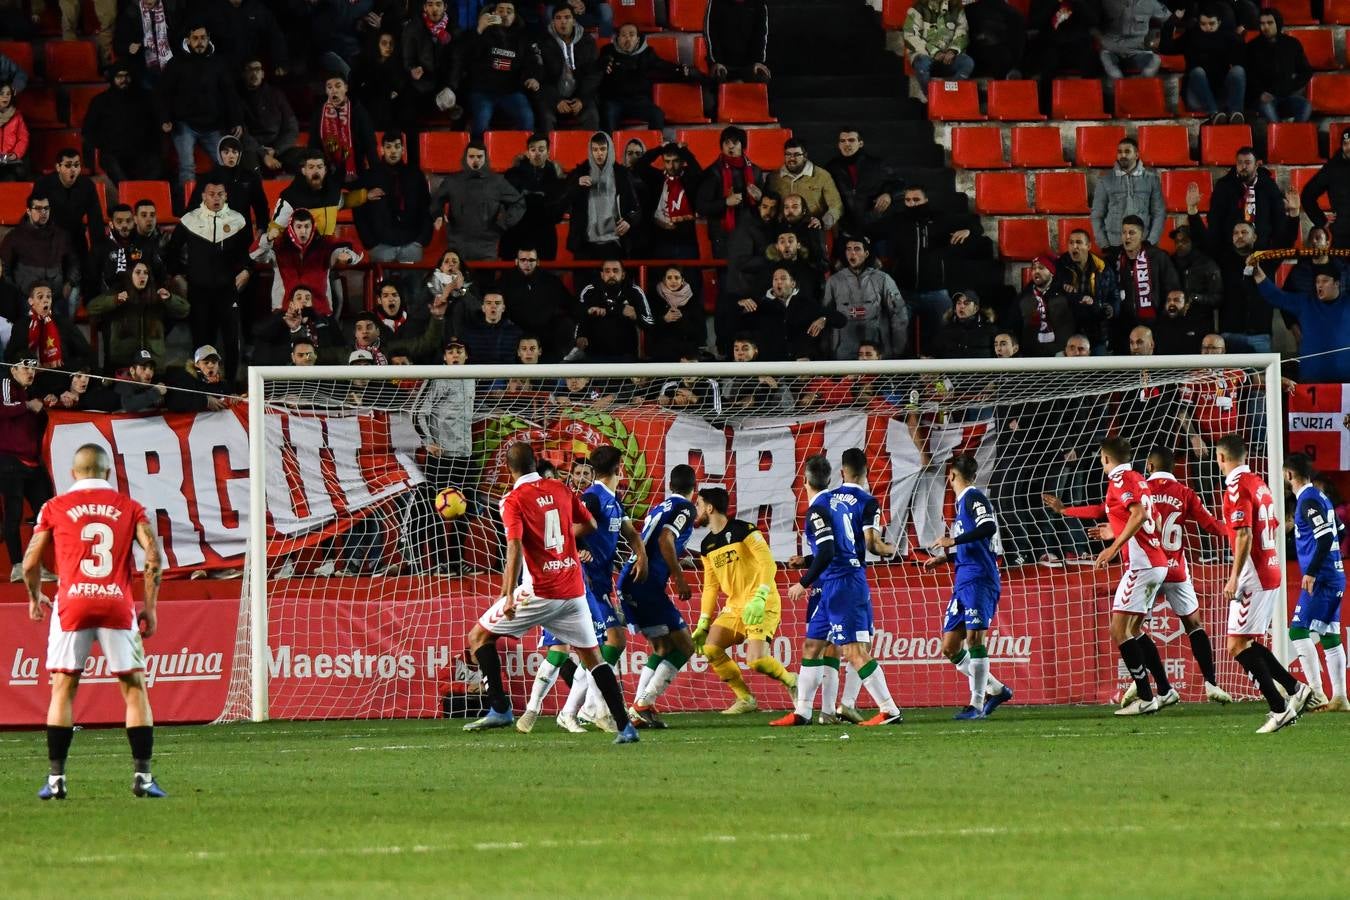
(153, 572)
(32, 574)
(879, 545)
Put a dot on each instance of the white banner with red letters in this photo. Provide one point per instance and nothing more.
(1319, 425)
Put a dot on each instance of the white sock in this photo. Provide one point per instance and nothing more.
(979, 676)
(964, 668)
(665, 674)
(1312, 666)
(595, 705)
(543, 683)
(852, 685)
(1336, 668)
(991, 684)
(880, 691)
(808, 682)
(829, 689)
(644, 679)
(580, 682)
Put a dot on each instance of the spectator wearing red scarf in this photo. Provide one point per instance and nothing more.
(1047, 321)
(21, 474)
(673, 188)
(342, 131)
(731, 189)
(52, 340)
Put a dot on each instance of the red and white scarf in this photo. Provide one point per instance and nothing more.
(155, 29)
(335, 130)
(45, 340)
(394, 322)
(1249, 202)
(440, 29)
(1040, 319)
(675, 199)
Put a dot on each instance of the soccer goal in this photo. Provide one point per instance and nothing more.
(374, 540)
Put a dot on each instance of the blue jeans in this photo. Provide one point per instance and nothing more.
(926, 68)
(598, 15)
(929, 308)
(514, 105)
(615, 111)
(1200, 91)
(403, 253)
(1246, 343)
(1286, 109)
(184, 138)
(1144, 62)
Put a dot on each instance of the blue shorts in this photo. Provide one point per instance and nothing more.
(843, 614)
(972, 607)
(649, 609)
(1320, 611)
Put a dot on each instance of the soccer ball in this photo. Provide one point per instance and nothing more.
(451, 503)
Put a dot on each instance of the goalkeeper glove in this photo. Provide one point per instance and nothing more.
(701, 633)
(753, 614)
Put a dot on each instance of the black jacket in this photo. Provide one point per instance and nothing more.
(274, 337)
(861, 179)
(737, 32)
(1227, 204)
(574, 200)
(1214, 51)
(586, 69)
(613, 335)
(971, 338)
(209, 251)
(629, 76)
(242, 32)
(120, 123)
(400, 216)
(116, 257)
(654, 180)
(363, 137)
(919, 245)
(269, 120)
(420, 50)
(542, 187)
(996, 29)
(129, 29)
(1244, 310)
(188, 391)
(197, 89)
(243, 192)
(75, 209)
(498, 61)
(1334, 180)
(712, 198)
(75, 351)
(542, 306)
(1279, 67)
(1084, 16)
(746, 262)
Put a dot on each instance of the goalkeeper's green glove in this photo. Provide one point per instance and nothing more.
(701, 633)
(753, 614)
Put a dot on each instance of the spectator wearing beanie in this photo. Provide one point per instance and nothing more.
(1047, 321)
(120, 127)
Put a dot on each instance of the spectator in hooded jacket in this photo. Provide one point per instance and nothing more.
(1047, 321)
(1216, 82)
(138, 313)
(569, 78)
(1278, 72)
(243, 187)
(301, 256)
(737, 34)
(13, 137)
(869, 303)
(629, 67)
(603, 201)
(936, 36)
(430, 50)
(731, 189)
(197, 102)
(482, 205)
(1125, 31)
(341, 130)
(998, 37)
(868, 187)
(1333, 179)
(1129, 189)
(395, 226)
(967, 330)
(36, 250)
(501, 70)
(120, 126)
(922, 239)
(541, 182)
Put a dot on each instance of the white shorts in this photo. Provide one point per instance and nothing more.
(1250, 612)
(1137, 589)
(68, 651)
(569, 620)
(1181, 597)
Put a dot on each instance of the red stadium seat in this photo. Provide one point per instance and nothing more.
(80, 96)
(1219, 144)
(1022, 239)
(66, 62)
(954, 101)
(1067, 225)
(1318, 46)
(1001, 193)
(1141, 98)
(686, 15)
(1292, 143)
(743, 103)
(1295, 12)
(1175, 182)
(1095, 145)
(1037, 147)
(1015, 101)
(1077, 98)
(1061, 192)
(704, 143)
(503, 146)
(1330, 93)
(38, 105)
(21, 52)
(893, 13)
(1173, 62)
(1165, 145)
(14, 201)
(44, 145)
(701, 53)
(442, 151)
(641, 13)
(129, 192)
(682, 103)
(764, 146)
(1334, 12)
(570, 148)
(978, 147)
(1300, 176)
(666, 46)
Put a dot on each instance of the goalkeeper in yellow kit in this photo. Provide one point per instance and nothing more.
(737, 562)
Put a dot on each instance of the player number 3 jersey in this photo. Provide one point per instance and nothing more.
(94, 530)
(1248, 503)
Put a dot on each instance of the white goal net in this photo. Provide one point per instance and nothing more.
(362, 584)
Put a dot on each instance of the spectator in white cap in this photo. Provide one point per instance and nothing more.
(199, 386)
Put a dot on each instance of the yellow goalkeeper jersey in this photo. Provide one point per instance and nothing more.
(736, 561)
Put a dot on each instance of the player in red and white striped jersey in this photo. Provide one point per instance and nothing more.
(542, 518)
(1133, 530)
(94, 529)
(1255, 584)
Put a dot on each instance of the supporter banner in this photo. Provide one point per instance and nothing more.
(1319, 424)
(190, 471)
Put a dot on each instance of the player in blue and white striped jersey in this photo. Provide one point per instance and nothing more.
(975, 591)
(1316, 539)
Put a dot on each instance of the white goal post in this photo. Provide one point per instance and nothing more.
(992, 400)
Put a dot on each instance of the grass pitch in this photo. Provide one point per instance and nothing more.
(1034, 802)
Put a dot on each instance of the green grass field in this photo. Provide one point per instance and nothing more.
(1034, 802)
